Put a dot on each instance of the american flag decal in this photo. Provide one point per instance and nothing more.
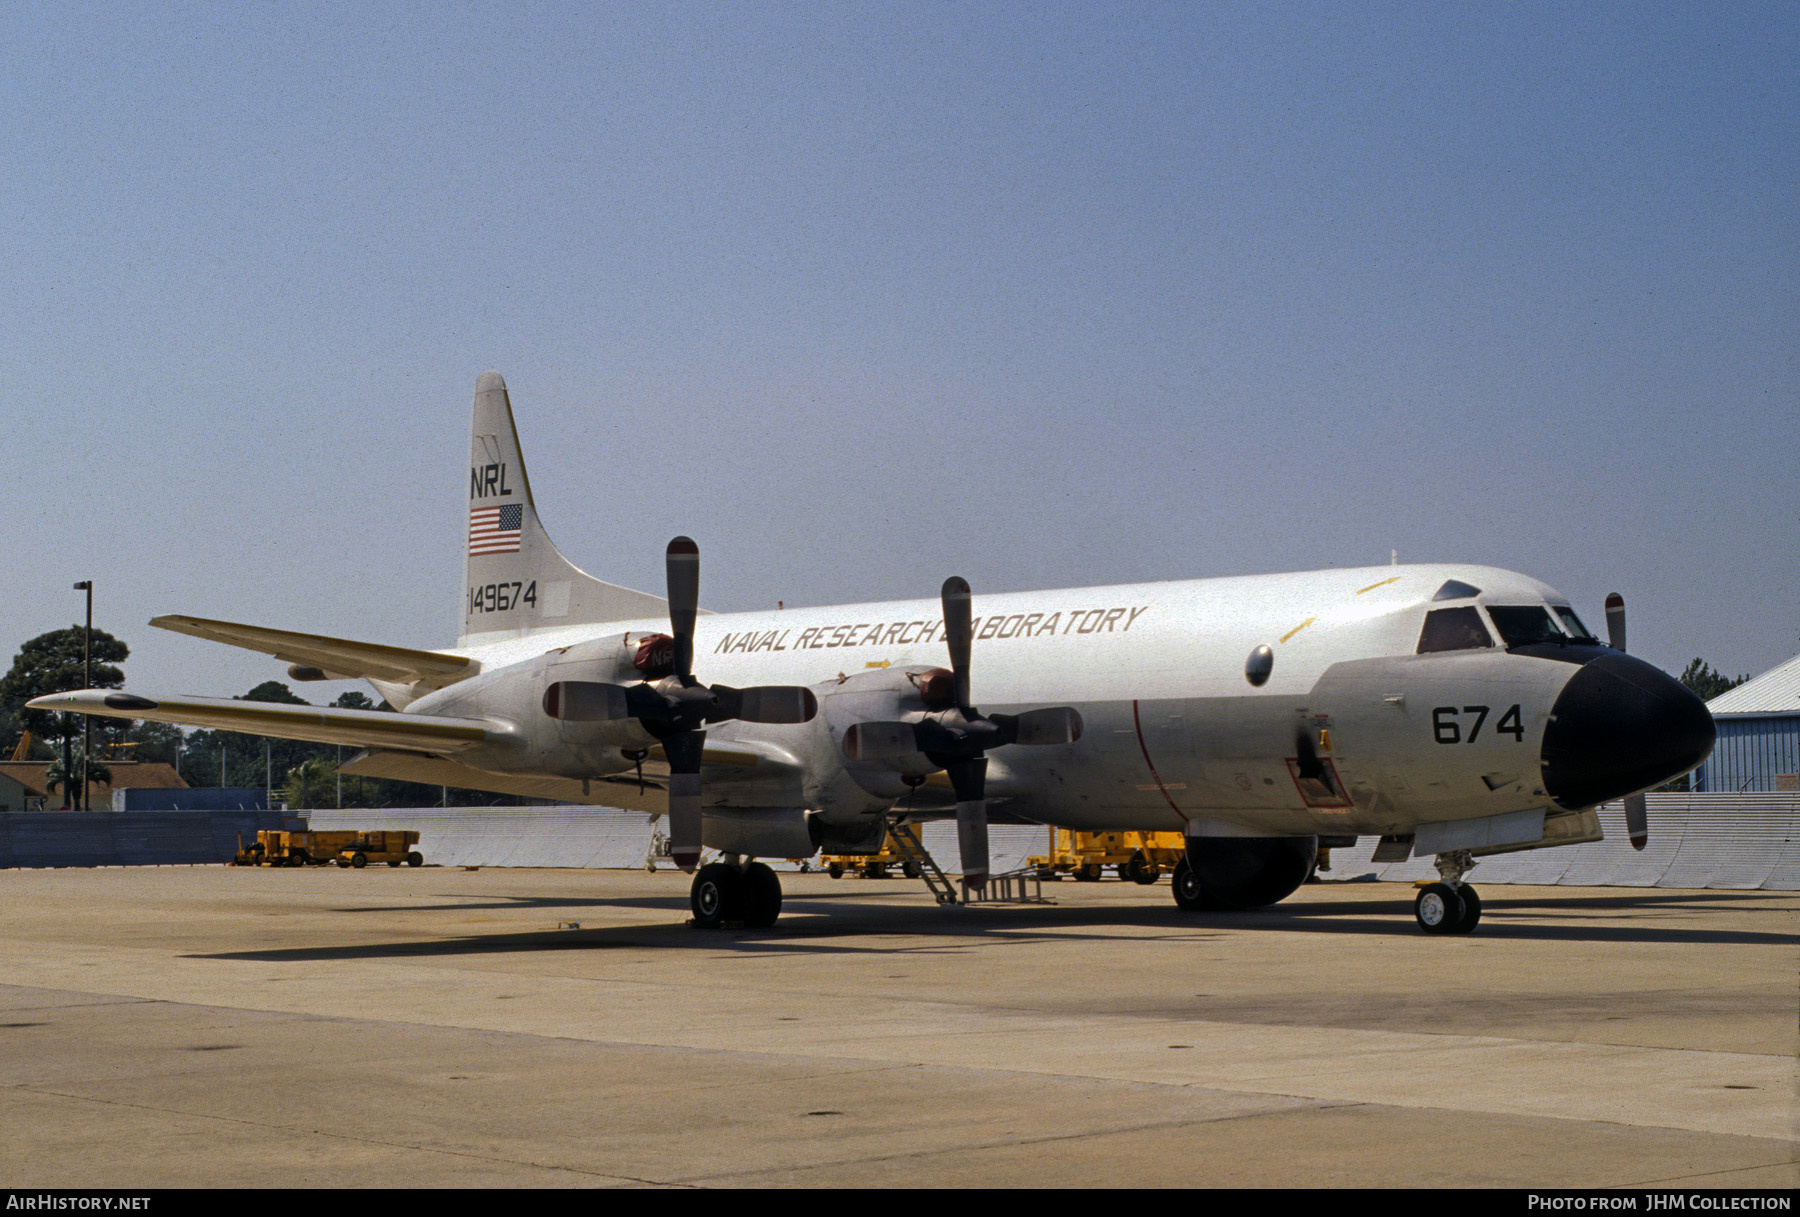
(495, 530)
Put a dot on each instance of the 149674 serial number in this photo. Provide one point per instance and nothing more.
(502, 597)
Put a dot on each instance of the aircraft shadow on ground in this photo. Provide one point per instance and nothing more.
(823, 924)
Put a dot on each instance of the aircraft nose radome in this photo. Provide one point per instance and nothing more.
(1620, 726)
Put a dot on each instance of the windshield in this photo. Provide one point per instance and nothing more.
(1456, 629)
(1572, 623)
(1522, 625)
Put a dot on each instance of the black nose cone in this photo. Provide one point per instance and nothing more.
(1620, 726)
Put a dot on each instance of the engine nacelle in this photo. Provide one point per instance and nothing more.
(786, 832)
(883, 696)
(1250, 872)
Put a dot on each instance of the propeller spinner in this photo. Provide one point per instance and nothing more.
(954, 736)
(676, 708)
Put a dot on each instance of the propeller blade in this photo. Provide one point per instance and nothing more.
(958, 632)
(877, 741)
(1637, 821)
(970, 780)
(683, 566)
(1050, 725)
(585, 701)
(1637, 811)
(684, 750)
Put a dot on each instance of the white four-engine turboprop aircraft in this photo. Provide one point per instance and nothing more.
(1450, 710)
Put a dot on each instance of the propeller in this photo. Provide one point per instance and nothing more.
(1637, 811)
(676, 708)
(954, 736)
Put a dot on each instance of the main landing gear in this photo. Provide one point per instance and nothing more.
(726, 892)
(1450, 906)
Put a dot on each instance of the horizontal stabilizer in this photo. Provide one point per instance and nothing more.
(338, 657)
(318, 724)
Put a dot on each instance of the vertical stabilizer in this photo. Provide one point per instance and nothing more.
(515, 580)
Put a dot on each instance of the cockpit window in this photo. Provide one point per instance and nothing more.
(1453, 629)
(1522, 625)
(1456, 589)
(1572, 623)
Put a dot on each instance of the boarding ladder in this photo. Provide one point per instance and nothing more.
(1008, 888)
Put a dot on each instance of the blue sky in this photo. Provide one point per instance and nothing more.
(860, 296)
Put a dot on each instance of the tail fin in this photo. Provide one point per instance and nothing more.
(515, 580)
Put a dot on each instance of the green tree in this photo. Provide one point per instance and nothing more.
(310, 783)
(1705, 683)
(51, 663)
(69, 781)
(155, 742)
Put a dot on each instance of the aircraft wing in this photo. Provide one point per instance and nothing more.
(747, 770)
(337, 657)
(319, 724)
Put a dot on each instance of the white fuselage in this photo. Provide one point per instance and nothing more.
(1352, 733)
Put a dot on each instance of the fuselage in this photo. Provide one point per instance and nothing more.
(1371, 719)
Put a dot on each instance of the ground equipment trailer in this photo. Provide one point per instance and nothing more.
(283, 847)
(1138, 856)
(871, 866)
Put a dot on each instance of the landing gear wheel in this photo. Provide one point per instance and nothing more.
(1439, 909)
(717, 895)
(1471, 910)
(762, 896)
(1140, 869)
(1190, 895)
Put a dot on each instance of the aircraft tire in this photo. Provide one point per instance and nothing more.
(1189, 892)
(1471, 917)
(717, 895)
(762, 896)
(1439, 909)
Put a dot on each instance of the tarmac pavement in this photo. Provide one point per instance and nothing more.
(217, 1026)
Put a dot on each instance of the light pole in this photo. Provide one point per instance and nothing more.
(87, 682)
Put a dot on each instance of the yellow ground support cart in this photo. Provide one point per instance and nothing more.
(871, 866)
(283, 847)
(1139, 856)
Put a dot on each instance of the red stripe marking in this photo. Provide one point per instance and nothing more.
(1150, 764)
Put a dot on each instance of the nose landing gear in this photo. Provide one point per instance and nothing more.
(1450, 906)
